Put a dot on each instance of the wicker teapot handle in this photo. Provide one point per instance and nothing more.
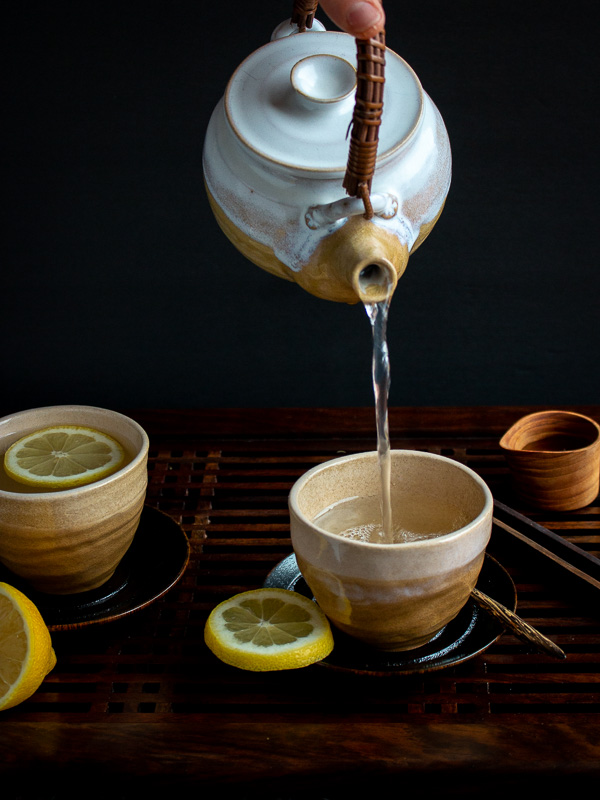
(368, 107)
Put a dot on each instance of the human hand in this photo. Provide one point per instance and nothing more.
(363, 19)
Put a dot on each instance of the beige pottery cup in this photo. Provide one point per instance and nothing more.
(65, 542)
(554, 459)
(391, 596)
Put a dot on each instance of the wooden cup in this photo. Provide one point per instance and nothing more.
(554, 459)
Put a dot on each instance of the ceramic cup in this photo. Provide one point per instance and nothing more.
(65, 542)
(554, 459)
(391, 596)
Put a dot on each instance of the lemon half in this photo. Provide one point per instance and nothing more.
(63, 456)
(26, 653)
(268, 629)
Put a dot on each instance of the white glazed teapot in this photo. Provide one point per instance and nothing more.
(278, 166)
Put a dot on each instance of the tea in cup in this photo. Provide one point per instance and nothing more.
(395, 595)
(66, 541)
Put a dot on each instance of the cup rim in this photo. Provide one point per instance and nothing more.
(88, 487)
(567, 415)
(487, 509)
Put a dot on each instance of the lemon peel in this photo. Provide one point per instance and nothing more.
(63, 457)
(26, 652)
(268, 629)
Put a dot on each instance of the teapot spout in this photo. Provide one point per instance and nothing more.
(359, 262)
(375, 280)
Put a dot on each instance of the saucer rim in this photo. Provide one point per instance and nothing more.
(143, 596)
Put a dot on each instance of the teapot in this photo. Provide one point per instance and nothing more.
(288, 190)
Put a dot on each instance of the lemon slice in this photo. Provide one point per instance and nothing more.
(26, 654)
(268, 629)
(63, 456)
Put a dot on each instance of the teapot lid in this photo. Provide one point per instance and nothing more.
(291, 101)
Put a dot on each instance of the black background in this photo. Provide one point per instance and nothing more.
(119, 289)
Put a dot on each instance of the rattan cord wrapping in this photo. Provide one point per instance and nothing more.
(366, 120)
(303, 13)
(368, 107)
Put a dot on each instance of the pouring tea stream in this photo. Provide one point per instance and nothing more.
(274, 160)
(277, 161)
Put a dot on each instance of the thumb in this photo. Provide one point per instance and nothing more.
(363, 19)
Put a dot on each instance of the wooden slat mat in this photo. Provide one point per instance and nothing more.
(229, 493)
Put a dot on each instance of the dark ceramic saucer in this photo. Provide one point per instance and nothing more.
(153, 564)
(470, 633)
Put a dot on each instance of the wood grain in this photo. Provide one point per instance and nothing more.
(141, 703)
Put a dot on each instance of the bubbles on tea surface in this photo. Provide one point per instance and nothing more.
(374, 533)
(415, 519)
(363, 533)
(355, 518)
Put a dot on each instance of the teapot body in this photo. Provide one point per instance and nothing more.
(274, 162)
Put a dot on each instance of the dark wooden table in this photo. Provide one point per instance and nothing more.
(140, 703)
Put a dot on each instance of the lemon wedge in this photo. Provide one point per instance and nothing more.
(268, 629)
(63, 456)
(26, 654)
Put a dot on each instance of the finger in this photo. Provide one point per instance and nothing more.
(361, 18)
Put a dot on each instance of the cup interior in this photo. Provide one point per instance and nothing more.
(396, 593)
(414, 476)
(551, 432)
(129, 433)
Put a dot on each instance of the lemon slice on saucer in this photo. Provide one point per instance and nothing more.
(26, 653)
(63, 456)
(268, 629)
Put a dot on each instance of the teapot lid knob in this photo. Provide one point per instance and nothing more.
(323, 78)
(366, 119)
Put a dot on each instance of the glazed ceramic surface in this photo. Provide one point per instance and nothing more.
(470, 633)
(71, 541)
(391, 596)
(554, 459)
(275, 155)
(151, 567)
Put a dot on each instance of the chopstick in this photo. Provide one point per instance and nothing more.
(544, 551)
(581, 565)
